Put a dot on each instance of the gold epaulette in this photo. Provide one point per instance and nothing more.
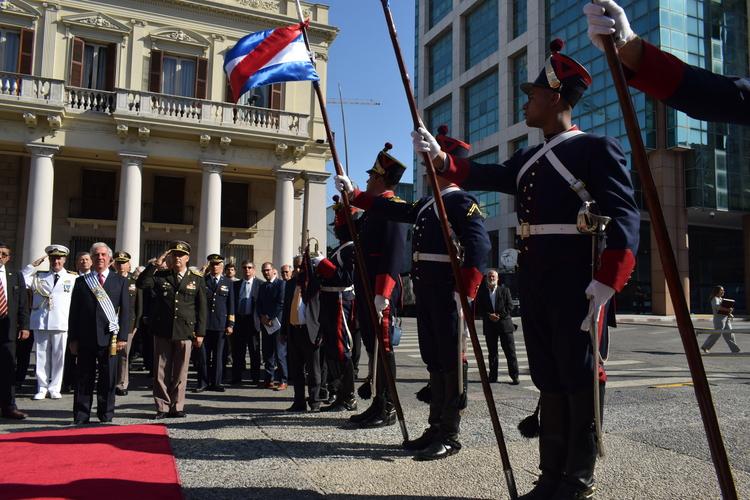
(396, 199)
(196, 273)
(230, 317)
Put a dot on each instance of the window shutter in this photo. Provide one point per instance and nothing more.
(228, 93)
(154, 73)
(111, 66)
(277, 96)
(201, 78)
(26, 52)
(76, 63)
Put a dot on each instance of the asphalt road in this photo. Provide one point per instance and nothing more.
(241, 444)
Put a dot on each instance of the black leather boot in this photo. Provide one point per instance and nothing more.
(552, 445)
(427, 438)
(375, 407)
(383, 419)
(580, 462)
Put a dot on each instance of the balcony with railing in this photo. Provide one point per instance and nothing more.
(141, 107)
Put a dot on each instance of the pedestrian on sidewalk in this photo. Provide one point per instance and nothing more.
(722, 323)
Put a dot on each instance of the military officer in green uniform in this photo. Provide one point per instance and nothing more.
(135, 303)
(178, 322)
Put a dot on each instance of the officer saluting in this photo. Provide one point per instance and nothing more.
(551, 181)
(383, 243)
(178, 322)
(440, 332)
(51, 293)
(219, 324)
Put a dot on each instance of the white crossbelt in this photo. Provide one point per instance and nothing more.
(337, 288)
(526, 230)
(430, 257)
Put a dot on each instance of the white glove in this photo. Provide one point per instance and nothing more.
(380, 304)
(598, 294)
(605, 17)
(424, 142)
(343, 184)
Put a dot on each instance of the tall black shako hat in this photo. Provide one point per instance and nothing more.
(561, 74)
(454, 147)
(388, 166)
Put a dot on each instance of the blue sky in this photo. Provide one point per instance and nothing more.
(362, 61)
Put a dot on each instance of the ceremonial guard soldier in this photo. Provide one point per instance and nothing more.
(135, 303)
(99, 328)
(557, 233)
(383, 244)
(337, 313)
(219, 325)
(178, 322)
(51, 293)
(439, 321)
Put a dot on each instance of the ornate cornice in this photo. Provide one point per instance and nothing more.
(96, 21)
(268, 5)
(180, 35)
(18, 8)
(129, 157)
(213, 167)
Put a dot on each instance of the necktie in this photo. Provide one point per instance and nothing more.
(248, 294)
(3, 301)
(101, 279)
(57, 277)
(178, 277)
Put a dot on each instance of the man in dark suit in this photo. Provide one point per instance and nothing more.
(494, 304)
(246, 335)
(14, 324)
(93, 323)
(178, 321)
(270, 306)
(219, 324)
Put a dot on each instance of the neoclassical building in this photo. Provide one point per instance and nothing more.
(116, 125)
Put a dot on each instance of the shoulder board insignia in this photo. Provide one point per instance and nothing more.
(196, 273)
(474, 210)
(396, 199)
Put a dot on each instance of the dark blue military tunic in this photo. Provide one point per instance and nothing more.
(434, 285)
(336, 301)
(555, 269)
(220, 300)
(383, 243)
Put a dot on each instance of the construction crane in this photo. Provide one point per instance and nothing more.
(341, 101)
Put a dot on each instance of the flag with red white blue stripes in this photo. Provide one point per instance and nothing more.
(266, 57)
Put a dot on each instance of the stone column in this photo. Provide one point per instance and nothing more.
(283, 227)
(38, 227)
(314, 211)
(129, 206)
(209, 231)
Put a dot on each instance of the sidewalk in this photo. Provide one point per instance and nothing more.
(700, 321)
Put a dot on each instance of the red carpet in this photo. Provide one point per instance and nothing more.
(107, 462)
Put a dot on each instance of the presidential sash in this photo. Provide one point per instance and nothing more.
(104, 301)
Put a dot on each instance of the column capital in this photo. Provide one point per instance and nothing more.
(132, 157)
(213, 167)
(43, 150)
(316, 177)
(283, 174)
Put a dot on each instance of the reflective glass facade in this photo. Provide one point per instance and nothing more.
(440, 62)
(481, 108)
(481, 33)
(439, 114)
(519, 63)
(438, 9)
(711, 34)
(519, 19)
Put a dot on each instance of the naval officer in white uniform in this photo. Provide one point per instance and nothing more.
(50, 305)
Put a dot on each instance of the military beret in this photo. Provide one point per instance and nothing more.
(179, 246)
(122, 256)
(57, 251)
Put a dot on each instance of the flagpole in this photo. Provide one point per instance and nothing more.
(460, 286)
(359, 256)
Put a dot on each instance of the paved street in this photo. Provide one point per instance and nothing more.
(240, 444)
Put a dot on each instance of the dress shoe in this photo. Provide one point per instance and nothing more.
(80, 421)
(568, 491)
(382, 419)
(374, 408)
(297, 408)
(315, 407)
(341, 405)
(514, 381)
(426, 439)
(436, 451)
(217, 388)
(544, 488)
(40, 395)
(281, 387)
(55, 395)
(121, 392)
(200, 389)
(105, 420)
(176, 414)
(160, 415)
(13, 414)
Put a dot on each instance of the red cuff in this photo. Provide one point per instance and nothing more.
(615, 267)
(362, 199)
(457, 171)
(471, 278)
(659, 74)
(384, 284)
(326, 269)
